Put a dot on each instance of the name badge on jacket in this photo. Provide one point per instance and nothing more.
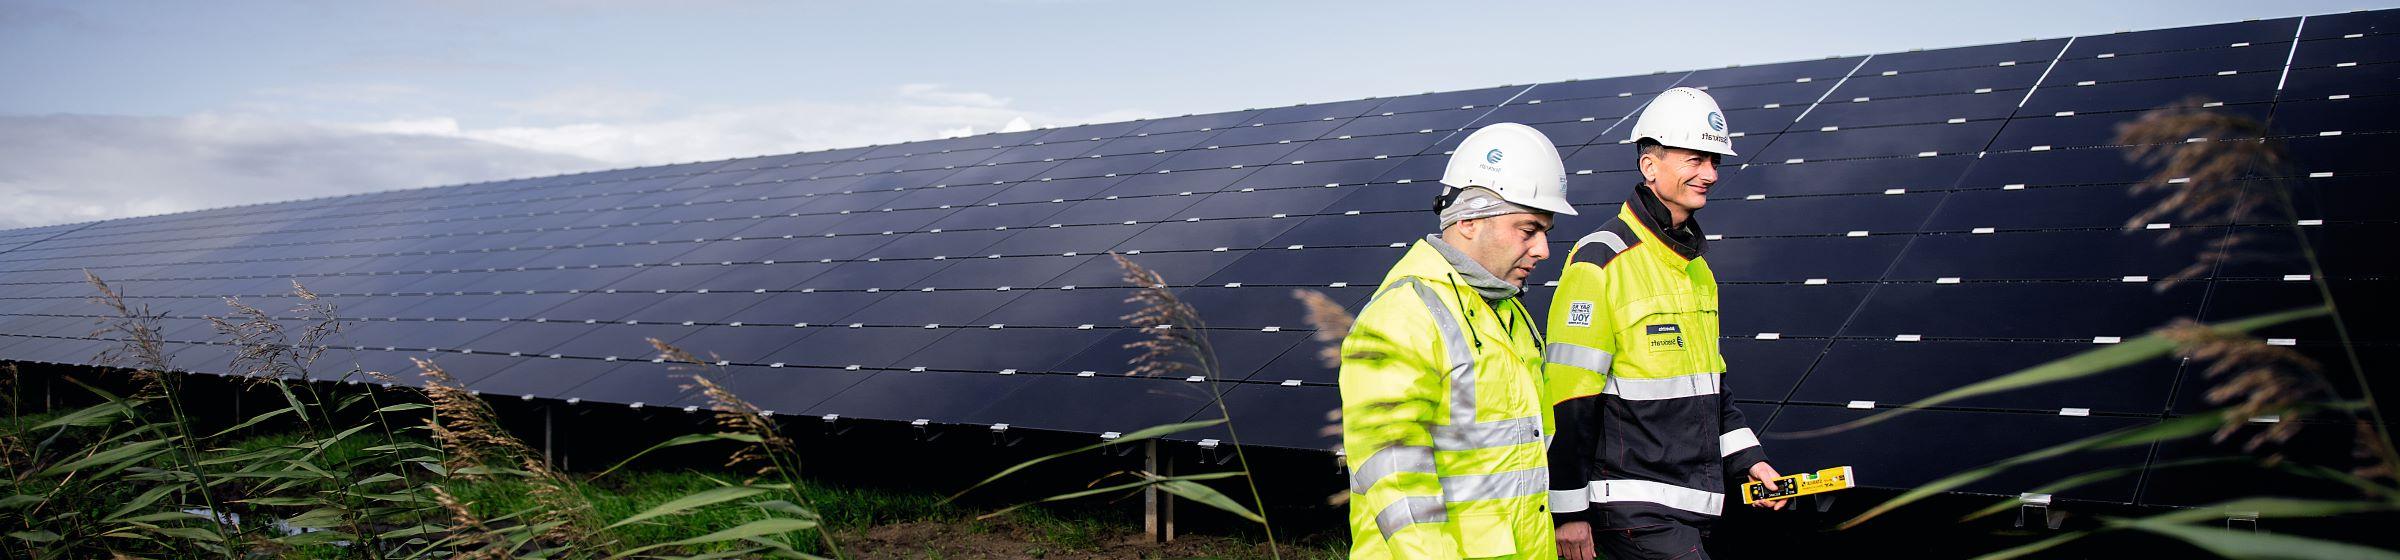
(1664, 337)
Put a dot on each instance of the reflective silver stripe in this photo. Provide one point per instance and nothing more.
(1390, 461)
(1468, 488)
(1660, 389)
(1577, 355)
(1735, 441)
(1483, 435)
(1410, 510)
(1695, 501)
(1570, 501)
(1462, 356)
(1604, 237)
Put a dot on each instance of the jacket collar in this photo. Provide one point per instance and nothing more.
(1687, 240)
(1425, 261)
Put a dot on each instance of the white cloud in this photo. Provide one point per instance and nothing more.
(939, 94)
(70, 168)
(437, 126)
(917, 112)
(67, 168)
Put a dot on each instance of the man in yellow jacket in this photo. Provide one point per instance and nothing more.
(1443, 419)
(1646, 433)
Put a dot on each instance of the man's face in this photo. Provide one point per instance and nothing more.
(1509, 244)
(1680, 177)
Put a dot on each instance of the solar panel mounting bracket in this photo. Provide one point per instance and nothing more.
(1113, 449)
(1209, 452)
(2239, 520)
(1000, 437)
(2038, 504)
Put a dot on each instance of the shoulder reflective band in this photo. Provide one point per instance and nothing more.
(1390, 461)
(1482, 435)
(1577, 355)
(1635, 389)
(1511, 484)
(1454, 342)
(1408, 511)
(1615, 243)
(1734, 441)
(1695, 501)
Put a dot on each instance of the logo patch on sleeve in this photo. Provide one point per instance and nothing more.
(1579, 314)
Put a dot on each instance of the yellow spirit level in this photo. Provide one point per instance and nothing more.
(1828, 480)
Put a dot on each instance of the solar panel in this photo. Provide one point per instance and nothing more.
(2205, 483)
(1897, 225)
(1885, 371)
(1966, 439)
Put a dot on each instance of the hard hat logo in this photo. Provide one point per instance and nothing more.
(1492, 157)
(1669, 120)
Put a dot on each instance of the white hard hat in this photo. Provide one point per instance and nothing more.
(1685, 118)
(1514, 161)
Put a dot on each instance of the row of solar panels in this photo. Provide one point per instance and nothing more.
(2137, 65)
(691, 207)
(1899, 224)
(908, 331)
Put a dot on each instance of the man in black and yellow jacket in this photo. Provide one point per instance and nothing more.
(1647, 435)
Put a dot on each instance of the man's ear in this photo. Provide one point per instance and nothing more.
(1470, 228)
(1648, 166)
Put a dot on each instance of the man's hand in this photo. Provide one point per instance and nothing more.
(1575, 541)
(1760, 472)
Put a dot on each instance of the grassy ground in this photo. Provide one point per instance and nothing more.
(869, 523)
(876, 523)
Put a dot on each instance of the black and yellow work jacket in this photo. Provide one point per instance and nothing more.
(1646, 433)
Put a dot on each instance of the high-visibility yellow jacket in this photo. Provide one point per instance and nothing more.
(1442, 420)
(1646, 431)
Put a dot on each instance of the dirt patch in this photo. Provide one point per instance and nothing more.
(1000, 538)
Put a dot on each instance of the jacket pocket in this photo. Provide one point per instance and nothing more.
(1666, 334)
(1485, 534)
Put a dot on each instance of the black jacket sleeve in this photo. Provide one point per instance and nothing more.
(1571, 454)
(1738, 433)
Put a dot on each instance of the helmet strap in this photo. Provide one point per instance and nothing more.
(1447, 197)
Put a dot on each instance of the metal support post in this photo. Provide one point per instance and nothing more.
(1158, 507)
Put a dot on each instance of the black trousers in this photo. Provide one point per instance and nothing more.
(1667, 541)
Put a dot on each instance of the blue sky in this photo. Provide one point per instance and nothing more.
(133, 108)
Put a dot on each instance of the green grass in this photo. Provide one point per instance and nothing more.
(341, 453)
(624, 494)
(22, 427)
(849, 511)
